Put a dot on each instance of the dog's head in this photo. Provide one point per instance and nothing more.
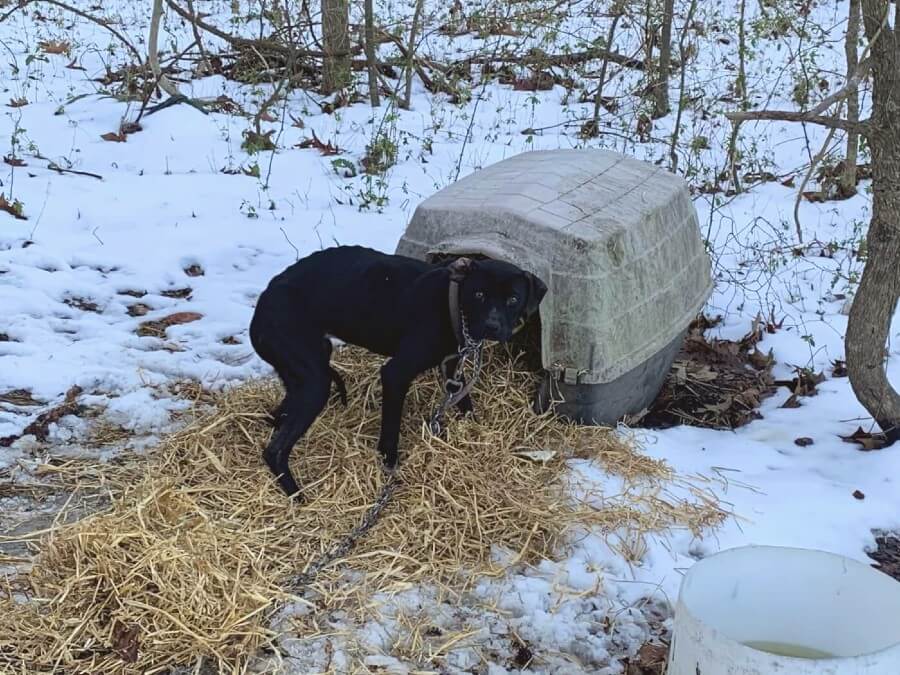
(495, 297)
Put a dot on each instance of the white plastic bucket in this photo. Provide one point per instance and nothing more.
(786, 600)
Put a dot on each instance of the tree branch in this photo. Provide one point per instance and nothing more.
(861, 127)
(814, 115)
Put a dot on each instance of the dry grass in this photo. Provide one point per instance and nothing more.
(191, 557)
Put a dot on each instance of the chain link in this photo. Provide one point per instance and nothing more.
(455, 387)
(345, 545)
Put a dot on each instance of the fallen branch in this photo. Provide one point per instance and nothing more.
(53, 166)
(541, 59)
(264, 45)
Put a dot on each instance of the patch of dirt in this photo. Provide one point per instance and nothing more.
(650, 660)
(83, 304)
(887, 554)
(178, 293)
(19, 397)
(716, 384)
(158, 328)
(40, 428)
(138, 309)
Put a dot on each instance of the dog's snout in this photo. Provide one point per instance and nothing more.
(493, 323)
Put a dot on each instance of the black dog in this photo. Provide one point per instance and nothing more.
(392, 305)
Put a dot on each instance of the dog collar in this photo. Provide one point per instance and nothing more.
(458, 269)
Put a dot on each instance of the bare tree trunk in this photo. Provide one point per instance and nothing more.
(371, 63)
(847, 184)
(873, 307)
(336, 44)
(153, 51)
(683, 57)
(610, 36)
(411, 53)
(661, 87)
(649, 38)
(740, 90)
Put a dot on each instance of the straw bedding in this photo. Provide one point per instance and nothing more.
(193, 552)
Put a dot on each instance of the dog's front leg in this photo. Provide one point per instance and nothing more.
(412, 359)
(395, 382)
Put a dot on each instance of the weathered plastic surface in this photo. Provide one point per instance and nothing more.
(615, 239)
(787, 596)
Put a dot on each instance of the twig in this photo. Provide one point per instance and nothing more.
(204, 58)
(288, 240)
(53, 166)
(812, 167)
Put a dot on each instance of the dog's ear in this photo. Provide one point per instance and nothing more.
(537, 289)
(460, 267)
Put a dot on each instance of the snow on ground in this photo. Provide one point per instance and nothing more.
(69, 273)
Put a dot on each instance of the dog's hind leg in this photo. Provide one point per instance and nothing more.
(277, 415)
(305, 399)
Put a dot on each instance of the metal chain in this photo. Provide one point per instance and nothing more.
(345, 545)
(455, 390)
(454, 387)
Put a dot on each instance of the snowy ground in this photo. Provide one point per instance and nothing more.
(164, 204)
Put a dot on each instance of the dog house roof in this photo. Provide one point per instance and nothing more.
(615, 239)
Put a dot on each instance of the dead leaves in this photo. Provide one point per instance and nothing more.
(55, 47)
(327, 149)
(15, 208)
(867, 440)
(14, 161)
(713, 383)
(650, 660)
(839, 368)
(157, 328)
(804, 384)
(125, 130)
(125, 641)
(17, 102)
(539, 81)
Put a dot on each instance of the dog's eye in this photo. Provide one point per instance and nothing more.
(512, 300)
(479, 295)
